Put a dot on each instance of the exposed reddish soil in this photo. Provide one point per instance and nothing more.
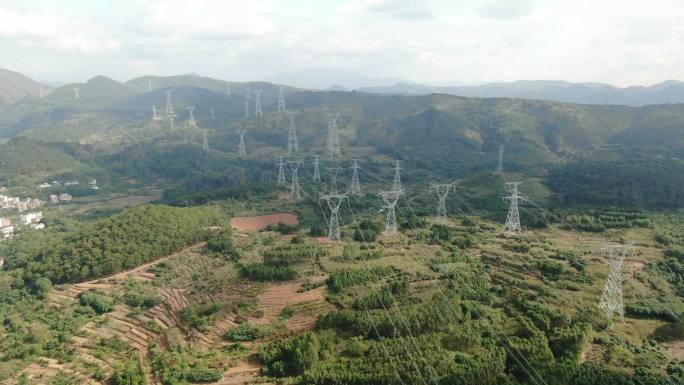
(262, 221)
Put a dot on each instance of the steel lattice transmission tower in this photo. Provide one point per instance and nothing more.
(205, 140)
(295, 192)
(154, 113)
(281, 171)
(442, 190)
(241, 147)
(334, 202)
(396, 184)
(316, 172)
(76, 94)
(292, 145)
(246, 109)
(513, 216)
(611, 299)
(257, 104)
(281, 100)
(499, 167)
(172, 121)
(334, 137)
(333, 180)
(390, 198)
(191, 119)
(169, 104)
(355, 186)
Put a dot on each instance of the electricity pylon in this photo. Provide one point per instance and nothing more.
(355, 186)
(499, 167)
(242, 152)
(169, 104)
(76, 94)
(334, 202)
(154, 113)
(390, 198)
(316, 172)
(205, 140)
(191, 120)
(172, 123)
(513, 216)
(246, 109)
(396, 184)
(281, 100)
(257, 104)
(333, 180)
(292, 145)
(281, 170)
(333, 137)
(611, 299)
(294, 185)
(442, 190)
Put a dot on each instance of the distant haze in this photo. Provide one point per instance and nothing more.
(437, 42)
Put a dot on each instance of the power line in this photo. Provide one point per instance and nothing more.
(257, 104)
(316, 172)
(242, 152)
(355, 186)
(334, 137)
(281, 100)
(442, 190)
(281, 171)
(294, 184)
(396, 184)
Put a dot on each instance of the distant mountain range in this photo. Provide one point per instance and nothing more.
(15, 86)
(670, 91)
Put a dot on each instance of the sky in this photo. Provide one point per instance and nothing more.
(439, 42)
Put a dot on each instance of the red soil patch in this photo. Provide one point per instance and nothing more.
(262, 221)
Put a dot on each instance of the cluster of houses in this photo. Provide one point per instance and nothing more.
(31, 219)
(7, 202)
(64, 197)
(55, 184)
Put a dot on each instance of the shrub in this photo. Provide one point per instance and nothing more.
(97, 301)
(240, 333)
(261, 272)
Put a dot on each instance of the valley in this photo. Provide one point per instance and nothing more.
(197, 264)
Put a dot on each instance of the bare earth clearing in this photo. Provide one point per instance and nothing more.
(262, 221)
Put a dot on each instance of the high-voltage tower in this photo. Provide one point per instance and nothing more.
(611, 299)
(333, 180)
(241, 147)
(499, 167)
(257, 104)
(442, 190)
(76, 94)
(390, 198)
(513, 216)
(334, 137)
(281, 100)
(169, 104)
(191, 119)
(292, 145)
(355, 186)
(316, 172)
(334, 202)
(172, 121)
(154, 113)
(396, 184)
(281, 171)
(295, 192)
(246, 109)
(205, 140)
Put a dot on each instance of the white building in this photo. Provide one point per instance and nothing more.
(32, 217)
(54, 198)
(44, 185)
(64, 197)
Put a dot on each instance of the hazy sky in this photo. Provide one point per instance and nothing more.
(623, 42)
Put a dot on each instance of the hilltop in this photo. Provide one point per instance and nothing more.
(15, 86)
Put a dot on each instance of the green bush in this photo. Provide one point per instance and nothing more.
(260, 272)
(240, 333)
(98, 301)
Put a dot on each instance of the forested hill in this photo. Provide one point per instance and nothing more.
(109, 131)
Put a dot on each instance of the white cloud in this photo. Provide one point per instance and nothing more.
(438, 41)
